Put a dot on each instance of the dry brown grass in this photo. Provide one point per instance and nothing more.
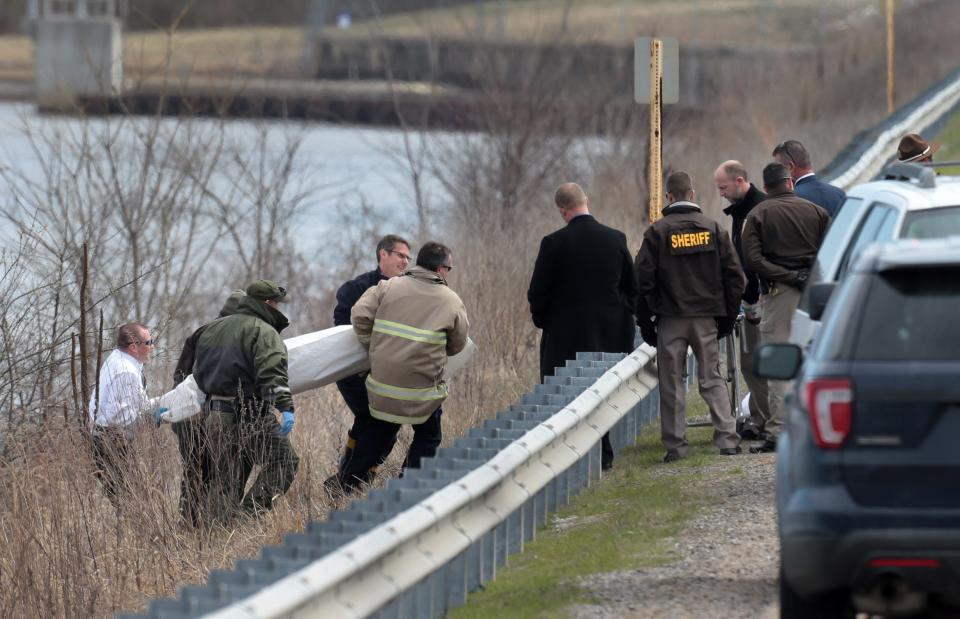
(274, 51)
(701, 22)
(64, 551)
(16, 58)
(224, 52)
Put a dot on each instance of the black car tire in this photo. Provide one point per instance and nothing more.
(834, 604)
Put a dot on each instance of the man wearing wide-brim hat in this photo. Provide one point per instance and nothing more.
(914, 149)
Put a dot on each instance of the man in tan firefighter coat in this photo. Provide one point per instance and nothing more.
(410, 324)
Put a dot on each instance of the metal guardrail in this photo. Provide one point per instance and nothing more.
(417, 547)
(869, 151)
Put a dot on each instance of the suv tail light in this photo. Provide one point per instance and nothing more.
(830, 403)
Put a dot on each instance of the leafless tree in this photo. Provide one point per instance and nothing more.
(257, 194)
(174, 213)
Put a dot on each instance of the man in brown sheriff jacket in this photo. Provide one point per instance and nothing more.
(410, 324)
(690, 283)
(781, 236)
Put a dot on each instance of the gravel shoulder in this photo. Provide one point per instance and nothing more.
(726, 557)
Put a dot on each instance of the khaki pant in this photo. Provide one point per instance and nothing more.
(778, 307)
(759, 403)
(674, 335)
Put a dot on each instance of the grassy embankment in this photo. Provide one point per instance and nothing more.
(258, 51)
(950, 138)
(625, 522)
(612, 21)
(275, 51)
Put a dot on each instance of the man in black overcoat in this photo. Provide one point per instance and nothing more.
(583, 289)
(733, 184)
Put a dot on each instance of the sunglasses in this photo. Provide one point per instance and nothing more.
(784, 149)
(448, 267)
(147, 342)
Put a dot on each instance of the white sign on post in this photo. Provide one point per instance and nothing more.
(670, 88)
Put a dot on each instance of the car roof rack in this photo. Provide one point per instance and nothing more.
(924, 175)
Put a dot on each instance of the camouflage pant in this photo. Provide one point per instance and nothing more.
(234, 447)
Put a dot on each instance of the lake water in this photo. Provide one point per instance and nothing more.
(345, 166)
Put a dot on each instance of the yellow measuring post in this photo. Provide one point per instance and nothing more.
(655, 182)
(889, 56)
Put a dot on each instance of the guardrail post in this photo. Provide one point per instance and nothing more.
(488, 554)
(456, 584)
(515, 531)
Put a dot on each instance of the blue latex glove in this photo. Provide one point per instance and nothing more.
(751, 312)
(286, 424)
(158, 415)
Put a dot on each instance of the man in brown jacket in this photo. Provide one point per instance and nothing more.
(781, 236)
(410, 324)
(690, 282)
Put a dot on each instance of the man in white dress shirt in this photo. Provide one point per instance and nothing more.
(117, 403)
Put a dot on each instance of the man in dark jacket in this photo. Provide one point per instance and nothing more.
(189, 432)
(795, 157)
(690, 284)
(583, 290)
(241, 364)
(360, 466)
(733, 184)
(781, 237)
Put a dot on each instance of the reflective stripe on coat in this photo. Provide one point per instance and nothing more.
(410, 325)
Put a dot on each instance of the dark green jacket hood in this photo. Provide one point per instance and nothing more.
(248, 306)
(242, 356)
(232, 303)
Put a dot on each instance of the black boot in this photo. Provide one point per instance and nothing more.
(347, 456)
(606, 453)
(767, 446)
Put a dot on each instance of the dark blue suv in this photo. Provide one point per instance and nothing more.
(868, 467)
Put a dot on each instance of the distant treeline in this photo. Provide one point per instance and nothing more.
(150, 14)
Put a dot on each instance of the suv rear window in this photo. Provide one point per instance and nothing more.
(909, 315)
(934, 223)
(876, 226)
(835, 241)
